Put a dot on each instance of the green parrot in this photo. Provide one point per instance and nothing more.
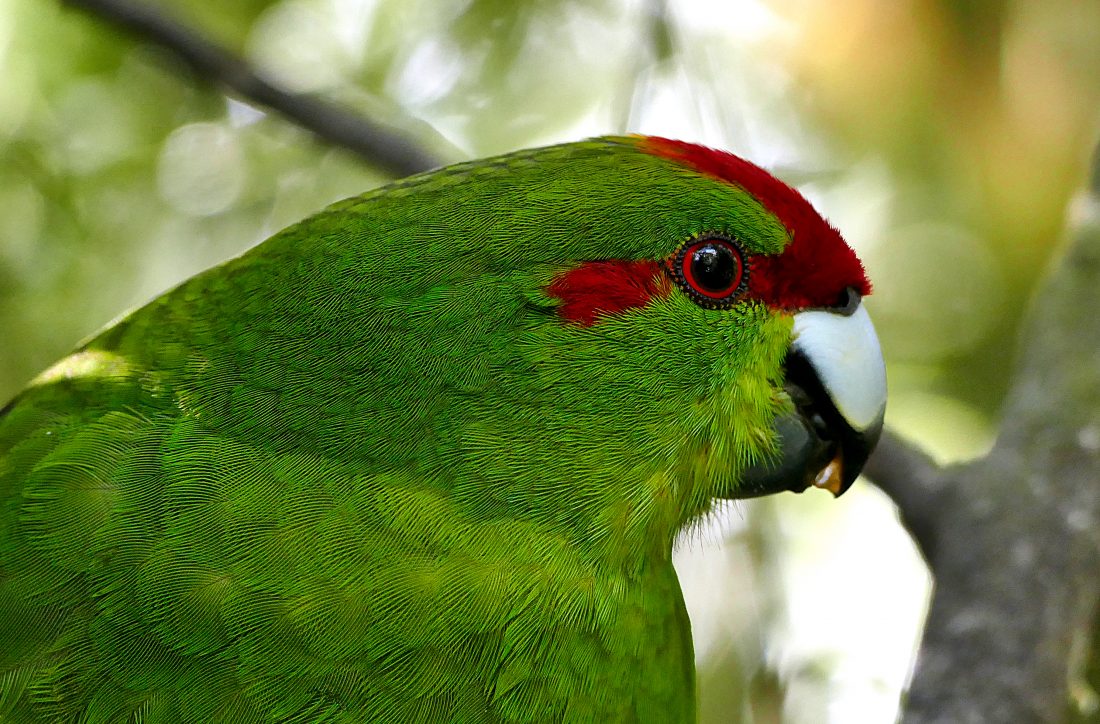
(422, 457)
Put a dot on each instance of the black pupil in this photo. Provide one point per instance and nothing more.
(713, 267)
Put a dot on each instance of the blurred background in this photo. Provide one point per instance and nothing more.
(945, 138)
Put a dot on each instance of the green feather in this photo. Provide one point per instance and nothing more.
(365, 472)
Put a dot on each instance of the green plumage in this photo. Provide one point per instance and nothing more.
(365, 472)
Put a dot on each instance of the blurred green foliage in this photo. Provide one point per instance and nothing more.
(946, 138)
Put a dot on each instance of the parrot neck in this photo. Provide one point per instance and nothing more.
(640, 528)
(628, 526)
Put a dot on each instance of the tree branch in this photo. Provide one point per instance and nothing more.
(374, 142)
(914, 482)
(1015, 558)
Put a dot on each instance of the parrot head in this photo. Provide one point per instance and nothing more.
(763, 263)
(832, 370)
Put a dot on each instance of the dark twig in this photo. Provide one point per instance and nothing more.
(376, 143)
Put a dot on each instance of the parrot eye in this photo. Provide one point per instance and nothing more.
(711, 270)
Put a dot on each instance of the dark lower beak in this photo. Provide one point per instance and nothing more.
(837, 384)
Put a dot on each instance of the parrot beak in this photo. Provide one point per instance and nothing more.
(836, 379)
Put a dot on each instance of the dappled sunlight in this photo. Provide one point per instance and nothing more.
(90, 363)
(201, 169)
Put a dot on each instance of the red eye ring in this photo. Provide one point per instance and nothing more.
(711, 269)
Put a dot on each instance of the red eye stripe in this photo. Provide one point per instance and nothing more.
(602, 288)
